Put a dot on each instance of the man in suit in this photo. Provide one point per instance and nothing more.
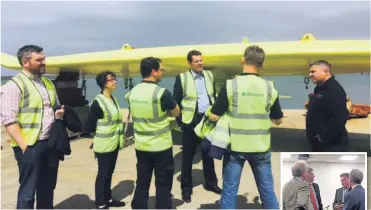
(295, 193)
(194, 91)
(338, 203)
(317, 195)
(355, 199)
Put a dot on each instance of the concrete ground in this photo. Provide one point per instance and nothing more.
(76, 177)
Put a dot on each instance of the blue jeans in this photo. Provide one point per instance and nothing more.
(261, 166)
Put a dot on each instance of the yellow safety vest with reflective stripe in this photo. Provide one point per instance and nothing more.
(31, 107)
(110, 132)
(217, 133)
(151, 125)
(250, 99)
(190, 95)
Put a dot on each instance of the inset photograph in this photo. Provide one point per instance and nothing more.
(323, 181)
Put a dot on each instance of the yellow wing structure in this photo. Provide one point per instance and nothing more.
(282, 58)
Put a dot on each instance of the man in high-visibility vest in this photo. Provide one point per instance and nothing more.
(194, 91)
(150, 106)
(28, 102)
(251, 103)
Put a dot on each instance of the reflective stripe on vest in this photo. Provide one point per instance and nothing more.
(110, 132)
(190, 95)
(220, 136)
(151, 125)
(31, 107)
(250, 99)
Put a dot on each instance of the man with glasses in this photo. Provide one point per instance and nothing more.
(150, 106)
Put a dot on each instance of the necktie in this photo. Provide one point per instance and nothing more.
(345, 191)
(312, 198)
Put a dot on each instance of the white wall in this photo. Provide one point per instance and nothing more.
(327, 176)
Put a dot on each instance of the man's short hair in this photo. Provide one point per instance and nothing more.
(299, 168)
(191, 54)
(344, 174)
(254, 55)
(101, 78)
(320, 62)
(24, 53)
(147, 64)
(356, 176)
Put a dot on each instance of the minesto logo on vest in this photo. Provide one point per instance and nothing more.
(252, 94)
(139, 102)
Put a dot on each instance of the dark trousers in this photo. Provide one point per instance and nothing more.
(106, 167)
(163, 165)
(190, 142)
(35, 176)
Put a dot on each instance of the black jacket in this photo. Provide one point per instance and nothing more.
(327, 115)
(58, 141)
(355, 199)
(318, 195)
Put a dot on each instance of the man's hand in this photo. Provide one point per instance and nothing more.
(213, 117)
(91, 144)
(15, 133)
(59, 113)
(23, 147)
(341, 206)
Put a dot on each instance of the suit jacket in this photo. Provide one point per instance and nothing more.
(318, 195)
(58, 141)
(338, 197)
(295, 195)
(355, 199)
(178, 97)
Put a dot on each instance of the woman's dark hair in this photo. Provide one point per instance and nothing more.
(102, 78)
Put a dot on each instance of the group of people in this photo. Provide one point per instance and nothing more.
(250, 102)
(302, 193)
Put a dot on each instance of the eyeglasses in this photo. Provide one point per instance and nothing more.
(111, 79)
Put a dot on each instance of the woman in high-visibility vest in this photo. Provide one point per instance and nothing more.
(105, 119)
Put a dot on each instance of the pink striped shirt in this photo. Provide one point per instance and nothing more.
(11, 98)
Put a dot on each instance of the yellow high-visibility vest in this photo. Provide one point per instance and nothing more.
(110, 132)
(31, 107)
(190, 95)
(151, 125)
(250, 99)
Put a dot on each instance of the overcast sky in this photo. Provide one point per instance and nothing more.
(64, 27)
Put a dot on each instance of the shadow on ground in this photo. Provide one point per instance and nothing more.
(175, 202)
(197, 177)
(242, 203)
(82, 201)
(294, 140)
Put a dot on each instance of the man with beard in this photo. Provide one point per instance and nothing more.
(327, 111)
(27, 113)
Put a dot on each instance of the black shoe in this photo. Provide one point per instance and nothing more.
(186, 197)
(213, 188)
(102, 207)
(116, 203)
